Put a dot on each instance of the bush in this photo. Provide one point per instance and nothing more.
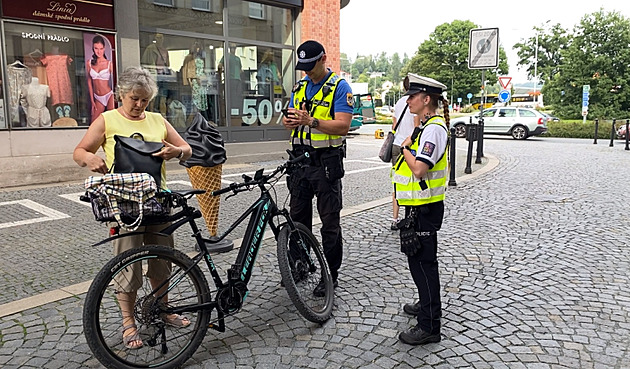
(577, 129)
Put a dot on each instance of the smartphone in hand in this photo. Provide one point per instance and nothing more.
(286, 113)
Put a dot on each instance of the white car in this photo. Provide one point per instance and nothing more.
(520, 123)
(384, 110)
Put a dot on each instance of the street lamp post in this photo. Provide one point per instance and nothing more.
(536, 72)
(452, 80)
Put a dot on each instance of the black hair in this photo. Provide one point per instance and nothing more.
(98, 39)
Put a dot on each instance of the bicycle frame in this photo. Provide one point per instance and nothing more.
(260, 213)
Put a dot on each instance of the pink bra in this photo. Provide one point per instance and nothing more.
(103, 74)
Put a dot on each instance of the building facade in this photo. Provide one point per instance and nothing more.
(233, 61)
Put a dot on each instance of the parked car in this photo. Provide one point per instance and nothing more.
(384, 110)
(550, 118)
(621, 132)
(520, 123)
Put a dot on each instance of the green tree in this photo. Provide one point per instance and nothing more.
(597, 55)
(444, 57)
(345, 64)
(551, 40)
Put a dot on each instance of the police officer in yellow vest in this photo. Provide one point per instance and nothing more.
(419, 178)
(319, 116)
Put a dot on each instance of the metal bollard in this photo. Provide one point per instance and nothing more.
(451, 180)
(596, 129)
(471, 131)
(627, 138)
(612, 133)
(479, 141)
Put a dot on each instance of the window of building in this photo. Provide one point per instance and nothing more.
(163, 2)
(56, 76)
(259, 22)
(201, 5)
(256, 11)
(258, 82)
(197, 16)
(185, 69)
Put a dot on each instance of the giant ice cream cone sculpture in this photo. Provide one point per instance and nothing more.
(205, 166)
(209, 179)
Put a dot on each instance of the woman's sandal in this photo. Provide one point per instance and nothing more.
(132, 341)
(176, 320)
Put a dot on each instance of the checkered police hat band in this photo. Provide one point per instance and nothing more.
(309, 60)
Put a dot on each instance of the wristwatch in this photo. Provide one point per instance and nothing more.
(314, 123)
(404, 148)
(181, 153)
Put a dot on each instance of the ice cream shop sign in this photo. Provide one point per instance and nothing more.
(93, 13)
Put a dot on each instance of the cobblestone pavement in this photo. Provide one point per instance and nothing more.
(534, 267)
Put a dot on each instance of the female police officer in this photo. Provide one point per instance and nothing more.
(419, 184)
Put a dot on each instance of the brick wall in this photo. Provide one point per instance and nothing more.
(320, 22)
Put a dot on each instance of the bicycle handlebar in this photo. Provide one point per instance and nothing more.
(234, 187)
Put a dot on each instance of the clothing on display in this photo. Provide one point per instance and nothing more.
(34, 96)
(58, 78)
(103, 99)
(177, 114)
(18, 75)
(155, 55)
(198, 91)
(32, 60)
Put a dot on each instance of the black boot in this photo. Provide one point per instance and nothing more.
(416, 336)
(412, 309)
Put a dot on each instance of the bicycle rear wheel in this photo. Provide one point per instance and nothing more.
(302, 266)
(164, 346)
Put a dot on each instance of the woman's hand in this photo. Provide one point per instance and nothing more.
(406, 142)
(169, 151)
(96, 164)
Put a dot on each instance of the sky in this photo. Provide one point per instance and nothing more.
(369, 27)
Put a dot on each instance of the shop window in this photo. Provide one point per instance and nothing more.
(258, 83)
(196, 16)
(185, 70)
(57, 77)
(259, 22)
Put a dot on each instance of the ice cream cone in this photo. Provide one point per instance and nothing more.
(209, 179)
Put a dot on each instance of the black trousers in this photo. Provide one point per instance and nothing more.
(424, 266)
(304, 184)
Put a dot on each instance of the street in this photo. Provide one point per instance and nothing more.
(533, 260)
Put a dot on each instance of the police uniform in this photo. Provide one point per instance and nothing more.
(322, 176)
(423, 199)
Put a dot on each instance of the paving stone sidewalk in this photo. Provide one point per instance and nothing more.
(534, 267)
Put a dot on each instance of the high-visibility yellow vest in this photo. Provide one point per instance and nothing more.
(321, 108)
(431, 188)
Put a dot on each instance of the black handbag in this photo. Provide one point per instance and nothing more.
(385, 154)
(133, 155)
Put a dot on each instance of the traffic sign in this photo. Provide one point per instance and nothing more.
(459, 99)
(505, 82)
(469, 95)
(483, 49)
(504, 96)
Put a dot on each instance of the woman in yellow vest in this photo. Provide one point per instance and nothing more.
(419, 178)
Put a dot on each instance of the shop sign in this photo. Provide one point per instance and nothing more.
(93, 13)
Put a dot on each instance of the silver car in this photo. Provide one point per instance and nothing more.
(520, 123)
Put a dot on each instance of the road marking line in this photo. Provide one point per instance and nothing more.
(49, 214)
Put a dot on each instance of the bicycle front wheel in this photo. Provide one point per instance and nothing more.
(151, 271)
(302, 266)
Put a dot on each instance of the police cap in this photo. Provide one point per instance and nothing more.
(308, 54)
(419, 84)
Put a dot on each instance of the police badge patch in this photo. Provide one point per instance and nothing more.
(428, 148)
(350, 99)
